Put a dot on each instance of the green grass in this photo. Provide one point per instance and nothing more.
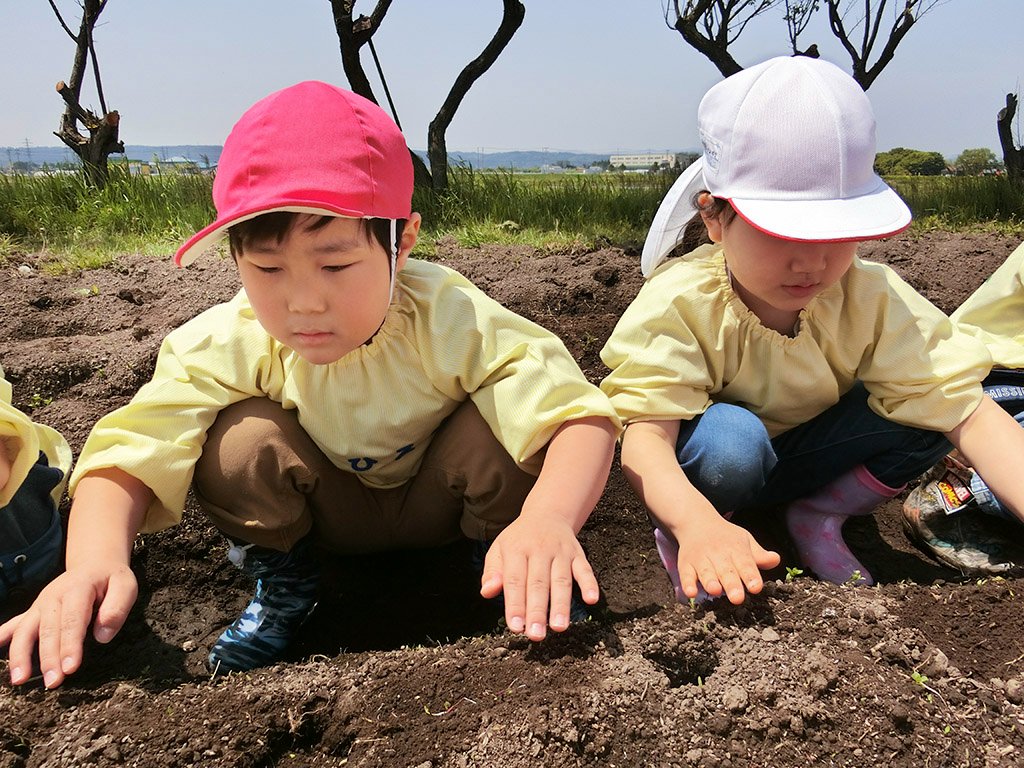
(553, 210)
(963, 202)
(77, 227)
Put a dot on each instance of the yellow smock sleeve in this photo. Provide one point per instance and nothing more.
(24, 439)
(921, 370)
(218, 358)
(518, 374)
(994, 313)
(660, 371)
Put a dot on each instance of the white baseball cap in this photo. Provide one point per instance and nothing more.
(790, 143)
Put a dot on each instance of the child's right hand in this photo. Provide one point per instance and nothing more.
(721, 557)
(60, 617)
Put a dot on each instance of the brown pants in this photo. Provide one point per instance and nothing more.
(262, 480)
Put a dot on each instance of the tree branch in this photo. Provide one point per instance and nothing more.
(710, 26)
(82, 115)
(863, 72)
(352, 35)
(96, 61)
(511, 20)
(60, 18)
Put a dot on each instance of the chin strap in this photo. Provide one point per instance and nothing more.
(394, 258)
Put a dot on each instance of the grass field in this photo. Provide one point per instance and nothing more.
(80, 227)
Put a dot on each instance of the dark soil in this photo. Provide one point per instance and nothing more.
(403, 665)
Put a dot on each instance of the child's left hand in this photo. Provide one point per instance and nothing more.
(535, 560)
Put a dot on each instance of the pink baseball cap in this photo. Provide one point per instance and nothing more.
(790, 143)
(310, 148)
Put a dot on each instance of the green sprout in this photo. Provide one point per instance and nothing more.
(855, 578)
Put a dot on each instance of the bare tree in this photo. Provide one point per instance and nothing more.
(711, 26)
(798, 16)
(872, 21)
(355, 32)
(102, 140)
(511, 19)
(1013, 156)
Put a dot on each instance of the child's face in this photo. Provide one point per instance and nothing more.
(322, 292)
(777, 278)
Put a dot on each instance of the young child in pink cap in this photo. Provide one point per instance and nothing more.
(348, 399)
(772, 367)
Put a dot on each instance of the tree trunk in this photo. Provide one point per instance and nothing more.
(715, 46)
(102, 142)
(437, 150)
(353, 34)
(103, 131)
(1013, 156)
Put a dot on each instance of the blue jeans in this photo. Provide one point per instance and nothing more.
(728, 456)
(1006, 387)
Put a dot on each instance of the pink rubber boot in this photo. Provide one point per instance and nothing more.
(815, 523)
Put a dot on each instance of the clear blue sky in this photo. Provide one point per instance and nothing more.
(587, 75)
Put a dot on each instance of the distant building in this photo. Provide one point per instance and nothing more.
(645, 160)
(181, 166)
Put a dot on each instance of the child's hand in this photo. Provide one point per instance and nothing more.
(59, 619)
(535, 560)
(724, 559)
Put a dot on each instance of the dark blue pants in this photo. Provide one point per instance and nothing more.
(31, 535)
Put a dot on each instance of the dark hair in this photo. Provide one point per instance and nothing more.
(695, 233)
(277, 224)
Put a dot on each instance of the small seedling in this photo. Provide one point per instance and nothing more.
(855, 578)
(985, 579)
(37, 400)
(918, 678)
(792, 573)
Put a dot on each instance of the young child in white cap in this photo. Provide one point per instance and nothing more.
(952, 513)
(348, 399)
(773, 367)
(34, 462)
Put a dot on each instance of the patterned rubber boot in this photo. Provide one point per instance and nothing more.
(952, 516)
(815, 524)
(286, 593)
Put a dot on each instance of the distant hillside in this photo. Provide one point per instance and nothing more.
(54, 155)
(518, 159)
(203, 153)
